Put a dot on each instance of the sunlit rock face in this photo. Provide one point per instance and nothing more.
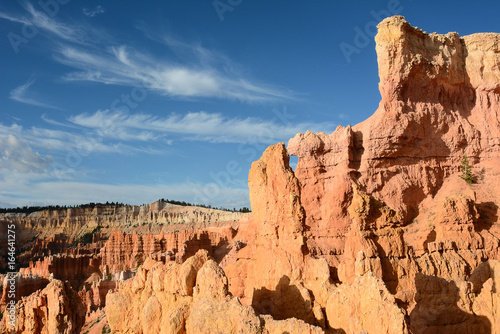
(384, 198)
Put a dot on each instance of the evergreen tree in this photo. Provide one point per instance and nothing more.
(466, 169)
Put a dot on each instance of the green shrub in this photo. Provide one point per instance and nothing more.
(466, 170)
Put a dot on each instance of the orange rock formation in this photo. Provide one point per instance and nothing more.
(192, 297)
(55, 250)
(56, 309)
(382, 202)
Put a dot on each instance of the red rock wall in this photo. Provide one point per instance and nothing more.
(75, 269)
(127, 251)
(25, 286)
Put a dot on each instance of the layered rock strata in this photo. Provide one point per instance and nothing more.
(61, 248)
(127, 251)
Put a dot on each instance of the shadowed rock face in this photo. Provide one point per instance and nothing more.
(438, 309)
(374, 231)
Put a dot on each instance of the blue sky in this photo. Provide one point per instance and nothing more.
(133, 101)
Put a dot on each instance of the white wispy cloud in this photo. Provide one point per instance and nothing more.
(93, 12)
(28, 177)
(17, 156)
(124, 66)
(44, 163)
(23, 95)
(194, 52)
(122, 133)
(57, 32)
(63, 31)
(203, 126)
(16, 19)
(60, 142)
(188, 70)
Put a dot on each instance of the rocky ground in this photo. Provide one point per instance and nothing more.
(375, 231)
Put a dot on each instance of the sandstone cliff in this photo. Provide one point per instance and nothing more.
(440, 101)
(384, 199)
(91, 250)
(70, 224)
